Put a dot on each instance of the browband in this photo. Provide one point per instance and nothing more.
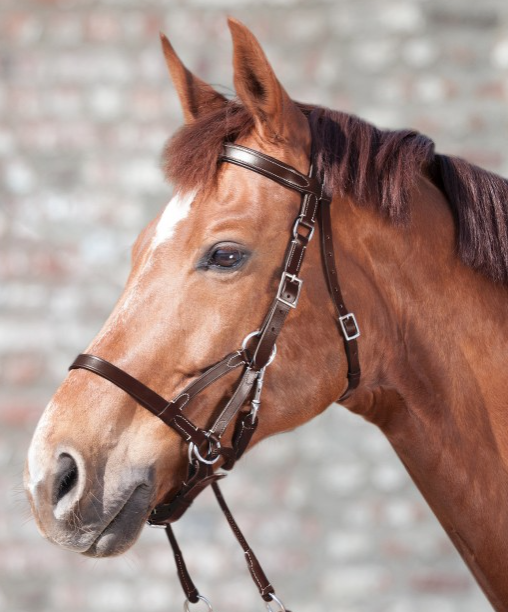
(271, 168)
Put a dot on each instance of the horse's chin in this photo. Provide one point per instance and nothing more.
(123, 531)
(111, 544)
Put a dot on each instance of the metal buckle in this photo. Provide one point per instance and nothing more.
(256, 401)
(299, 221)
(294, 279)
(349, 317)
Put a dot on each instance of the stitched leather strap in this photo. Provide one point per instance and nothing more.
(264, 586)
(201, 476)
(290, 283)
(345, 320)
(188, 586)
(246, 425)
(260, 580)
(238, 399)
(271, 168)
(168, 411)
(303, 230)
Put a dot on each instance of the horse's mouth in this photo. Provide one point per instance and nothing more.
(125, 526)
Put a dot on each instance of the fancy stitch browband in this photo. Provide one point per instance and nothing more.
(205, 449)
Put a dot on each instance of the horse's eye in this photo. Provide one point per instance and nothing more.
(226, 257)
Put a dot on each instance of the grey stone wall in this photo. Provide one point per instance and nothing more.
(85, 106)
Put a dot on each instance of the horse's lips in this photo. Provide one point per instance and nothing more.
(124, 528)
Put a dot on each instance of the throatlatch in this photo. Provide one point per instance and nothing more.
(257, 352)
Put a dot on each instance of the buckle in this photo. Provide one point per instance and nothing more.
(292, 278)
(344, 320)
(299, 222)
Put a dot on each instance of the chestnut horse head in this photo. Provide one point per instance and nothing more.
(203, 276)
(423, 262)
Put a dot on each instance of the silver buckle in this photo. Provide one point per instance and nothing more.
(347, 336)
(294, 279)
(299, 221)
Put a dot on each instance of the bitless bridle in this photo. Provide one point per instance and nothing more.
(205, 449)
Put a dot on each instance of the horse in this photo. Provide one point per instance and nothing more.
(419, 241)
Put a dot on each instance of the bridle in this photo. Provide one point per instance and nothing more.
(205, 449)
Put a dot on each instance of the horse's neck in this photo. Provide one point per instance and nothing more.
(433, 353)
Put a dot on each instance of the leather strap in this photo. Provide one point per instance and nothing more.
(264, 586)
(271, 168)
(246, 425)
(238, 399)
(256, 571)
(169, 412)
(188, 586)
(201, 476)
(345, 320)
(290, 284)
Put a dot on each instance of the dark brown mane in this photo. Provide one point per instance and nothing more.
(374, 167)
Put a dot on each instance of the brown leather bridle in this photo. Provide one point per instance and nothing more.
(205, 449)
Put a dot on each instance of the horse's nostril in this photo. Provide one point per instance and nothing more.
(66, 477)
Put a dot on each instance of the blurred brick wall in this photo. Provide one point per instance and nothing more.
(85, 106)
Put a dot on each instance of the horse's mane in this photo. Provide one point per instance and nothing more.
(374, 167)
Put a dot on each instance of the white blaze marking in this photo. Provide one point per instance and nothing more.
(37, 451)
(177, 209)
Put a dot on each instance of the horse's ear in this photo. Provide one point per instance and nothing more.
(196, 97)
(276, 116)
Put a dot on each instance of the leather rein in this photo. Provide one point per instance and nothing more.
(205, 449)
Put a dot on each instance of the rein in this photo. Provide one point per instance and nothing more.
(205, 448)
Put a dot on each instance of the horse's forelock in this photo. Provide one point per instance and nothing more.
(190, 157)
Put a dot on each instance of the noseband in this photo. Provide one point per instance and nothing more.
(205, 449)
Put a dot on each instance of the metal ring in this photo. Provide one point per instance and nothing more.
(248, 337)
(194, 450)
(274, 597)
(253, 335)
(203, 598)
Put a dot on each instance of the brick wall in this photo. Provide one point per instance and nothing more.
(85, 106)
